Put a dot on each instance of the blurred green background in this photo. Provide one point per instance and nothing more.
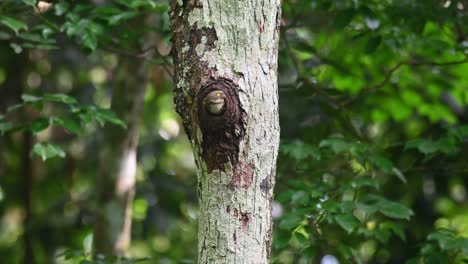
(373, 163)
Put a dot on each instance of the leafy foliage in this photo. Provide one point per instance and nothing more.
(373, 109)
(72, 119)
(375, 119)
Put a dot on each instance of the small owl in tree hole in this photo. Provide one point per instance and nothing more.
(215, 102)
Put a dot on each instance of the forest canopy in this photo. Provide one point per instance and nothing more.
(373, 115)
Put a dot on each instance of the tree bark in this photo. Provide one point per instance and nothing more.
(118, 163)
(225, 56)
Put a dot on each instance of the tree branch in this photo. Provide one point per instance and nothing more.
(392, 70)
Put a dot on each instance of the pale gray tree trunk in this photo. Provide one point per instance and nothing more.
(118, 163)
(225, 56)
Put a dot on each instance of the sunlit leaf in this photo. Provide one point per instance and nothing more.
(48, 150)
(399, 174)
(13, 24)
(16, 47)
(61, 98)
(27, 98)
(122, 16)
(106, 115)
(88, 243)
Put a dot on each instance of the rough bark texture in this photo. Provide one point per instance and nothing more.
(225, 56)
(117, 172)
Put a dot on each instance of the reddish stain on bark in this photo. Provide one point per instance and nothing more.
(242, 176)
(245, 221)
(228, 209)
(236, 213)
(260, 26)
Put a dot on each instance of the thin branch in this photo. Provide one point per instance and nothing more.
(143, 54)
(389, 74)
(434, 63)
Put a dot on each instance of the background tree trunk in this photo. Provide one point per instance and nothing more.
(118, 163)
(225, 56)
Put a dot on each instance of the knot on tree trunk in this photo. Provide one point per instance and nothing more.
(220, 117)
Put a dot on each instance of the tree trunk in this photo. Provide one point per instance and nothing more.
(225, 56)
(118, 163)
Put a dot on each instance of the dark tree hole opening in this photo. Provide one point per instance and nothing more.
(220, 117)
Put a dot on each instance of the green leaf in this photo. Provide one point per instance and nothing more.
(13, 24)
(394, 227)
(31, 37)
(305, 47)
(138, 260)
(367, 208)
(39, 124)
(105, 11)
(89, 40)
(444, 240)
(372, 44)
(27, 98)
(347, 221)
(395, 210)
(399, 174)
(61, 98)
(142, 3)
(61, 8)
(69, 124)
(284, 196)
(88, 243)
(337, 145)
(423, 145)
(47, 32)
(48, 150)
(106, 115)
(382, 235)
(16, 48)
(359, 182)
(300, 150)
(343, 18)
(5, 127)
(14, 107)
(29, 2)
(382, 163)
(5, 36)
(300, 198)
(121, 17)
(68, 254)
(290, 221)
(86, 117)
(301, 235)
